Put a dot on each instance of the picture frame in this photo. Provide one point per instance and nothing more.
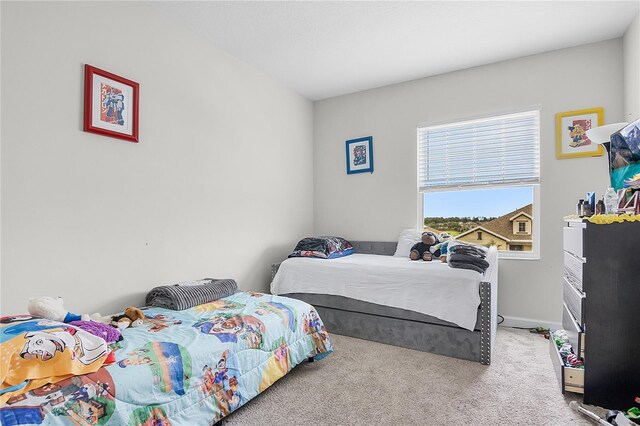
(571, 138)
(110, 104)
(360, 155)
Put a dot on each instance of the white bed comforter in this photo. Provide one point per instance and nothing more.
(432, 288)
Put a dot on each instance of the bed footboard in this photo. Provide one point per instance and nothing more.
(485, 323)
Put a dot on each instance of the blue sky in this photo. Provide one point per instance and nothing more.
(478, 202)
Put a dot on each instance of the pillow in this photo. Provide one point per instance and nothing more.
(36, 351)
(322, 247)
(347, 252)
(407, 239)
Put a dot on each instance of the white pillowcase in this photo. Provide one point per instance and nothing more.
(407, 239)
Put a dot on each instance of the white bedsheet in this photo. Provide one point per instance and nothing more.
(432, 288)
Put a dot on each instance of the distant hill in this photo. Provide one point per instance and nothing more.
(455, 225)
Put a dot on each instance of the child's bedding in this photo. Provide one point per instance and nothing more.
(188, 367)
(431, 288)
(35, 351)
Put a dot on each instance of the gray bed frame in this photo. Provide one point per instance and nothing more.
(400, 327)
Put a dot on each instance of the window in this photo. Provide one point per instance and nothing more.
(479, 181)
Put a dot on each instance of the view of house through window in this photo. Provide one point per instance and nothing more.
(479, 178)
(500, 217)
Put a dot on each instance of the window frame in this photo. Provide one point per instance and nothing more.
(534, 254)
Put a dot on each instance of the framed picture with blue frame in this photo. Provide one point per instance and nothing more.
(360, 155)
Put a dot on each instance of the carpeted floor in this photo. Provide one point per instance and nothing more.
(368, 383)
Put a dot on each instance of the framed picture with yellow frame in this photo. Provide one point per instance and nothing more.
(571, 129)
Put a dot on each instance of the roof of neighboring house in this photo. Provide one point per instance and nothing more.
(503, 225)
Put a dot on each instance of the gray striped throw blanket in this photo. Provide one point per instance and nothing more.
(180, 297)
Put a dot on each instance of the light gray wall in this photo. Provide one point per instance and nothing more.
(377, 206)
(219, 185)
(631, 49)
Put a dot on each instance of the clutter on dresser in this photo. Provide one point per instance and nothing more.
(625, 200)
(629, 201)
(594, 354)
(569, 358)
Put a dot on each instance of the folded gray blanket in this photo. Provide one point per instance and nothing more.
(178, 297)
(477, 251)
(467, 261)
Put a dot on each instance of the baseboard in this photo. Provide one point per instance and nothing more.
(528, 323)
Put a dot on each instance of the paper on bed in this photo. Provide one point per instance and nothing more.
(431, 288)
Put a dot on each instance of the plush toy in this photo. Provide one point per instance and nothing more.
(132, 317)
(444, 251)
(52, 308)
(108, 332)
(426, 248)
(444, 236)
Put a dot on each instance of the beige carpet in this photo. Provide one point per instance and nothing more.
(368, 383)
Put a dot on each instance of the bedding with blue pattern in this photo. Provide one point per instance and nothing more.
(184, 367)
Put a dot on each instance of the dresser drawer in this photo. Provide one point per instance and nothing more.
(574, 299)
(572, 241)
(570, 379)
(573, 268)
(574, 331)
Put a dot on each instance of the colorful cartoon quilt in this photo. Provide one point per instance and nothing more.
(36, 351)
(189, 367)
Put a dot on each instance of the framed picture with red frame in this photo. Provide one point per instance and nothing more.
(110, 104)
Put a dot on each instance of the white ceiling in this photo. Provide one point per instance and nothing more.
(322, 49)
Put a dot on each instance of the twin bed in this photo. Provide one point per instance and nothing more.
(374, 295)
(190, 367)
(196, 366)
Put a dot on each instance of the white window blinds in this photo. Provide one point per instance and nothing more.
(495, 151)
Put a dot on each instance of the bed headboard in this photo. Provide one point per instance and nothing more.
(387, 248)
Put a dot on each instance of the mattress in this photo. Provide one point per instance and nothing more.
(430, 288)
(190, 367)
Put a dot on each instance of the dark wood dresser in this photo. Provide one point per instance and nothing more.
(601, 312)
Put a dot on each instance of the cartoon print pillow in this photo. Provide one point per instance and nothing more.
(35, 351)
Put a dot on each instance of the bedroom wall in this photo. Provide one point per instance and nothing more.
(377, 206)
(631, 49)
(219, 185)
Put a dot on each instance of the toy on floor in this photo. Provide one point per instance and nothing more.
(132, 317)
(425, 249)
(544, 332)
(593, 416)
(614, 417)
(52, 308)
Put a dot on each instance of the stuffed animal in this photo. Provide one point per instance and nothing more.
(108, 332)
(52, 308)
(426, 248)
(132, 317)
(444, 251)
(444, 236)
